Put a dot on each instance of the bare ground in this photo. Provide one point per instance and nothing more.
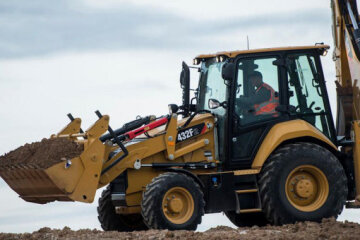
(327, 229)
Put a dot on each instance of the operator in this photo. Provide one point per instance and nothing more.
(264, 100)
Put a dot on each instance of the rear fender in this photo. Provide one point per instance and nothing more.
(286, 131)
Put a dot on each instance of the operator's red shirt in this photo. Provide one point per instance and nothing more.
(268, 106)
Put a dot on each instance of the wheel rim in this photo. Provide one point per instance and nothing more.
(178, 205)
(307, 188)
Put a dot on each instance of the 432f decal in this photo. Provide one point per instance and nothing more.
(187, 133)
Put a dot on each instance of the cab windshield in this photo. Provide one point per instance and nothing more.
(211, 85)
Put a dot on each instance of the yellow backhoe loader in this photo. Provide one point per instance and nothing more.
(257, 142)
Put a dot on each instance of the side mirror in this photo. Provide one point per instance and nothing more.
(185, 75)
(228, 71)
(185, 85)
(213, 104)
(173, 108)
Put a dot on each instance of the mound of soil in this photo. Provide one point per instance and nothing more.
(327, 229)
(42, 154)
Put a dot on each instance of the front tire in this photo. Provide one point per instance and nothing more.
(111, 221)
(302, 182)
(172, 201)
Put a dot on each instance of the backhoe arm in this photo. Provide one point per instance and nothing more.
(346, 35)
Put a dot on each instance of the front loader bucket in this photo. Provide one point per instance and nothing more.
(68, 179)
(33, 184)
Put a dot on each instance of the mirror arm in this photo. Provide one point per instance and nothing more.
(224, 104)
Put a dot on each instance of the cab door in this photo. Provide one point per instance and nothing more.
(248, 125)
(307, 92)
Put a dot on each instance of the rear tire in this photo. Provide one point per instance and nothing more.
(247, 219)
(111, 221)
(302, 182)
(172, 201)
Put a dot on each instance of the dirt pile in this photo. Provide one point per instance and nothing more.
(42, 154)
(328, 229)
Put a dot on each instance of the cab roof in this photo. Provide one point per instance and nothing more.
(232, 54)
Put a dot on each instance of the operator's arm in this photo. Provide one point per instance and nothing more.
(261, 96)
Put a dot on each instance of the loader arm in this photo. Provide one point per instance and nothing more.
(105, 157)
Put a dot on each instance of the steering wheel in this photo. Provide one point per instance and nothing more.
(243, 112)
(238, 111)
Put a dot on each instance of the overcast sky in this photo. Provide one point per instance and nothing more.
(122, 57)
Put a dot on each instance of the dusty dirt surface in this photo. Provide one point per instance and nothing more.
(328, 229)
(42, 154)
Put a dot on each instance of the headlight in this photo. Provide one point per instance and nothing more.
(173, 108)
(220, 58)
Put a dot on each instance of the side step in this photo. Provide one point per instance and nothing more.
(250, 210)
(247, 194)
(246, 191)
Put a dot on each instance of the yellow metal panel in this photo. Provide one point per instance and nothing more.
(81, 179)
(286, 131)
(66, 179)
(92, 159)
(250, 210)
(170, 137)
(72, 128)
(233, 54)
(246, 172)
(140, 150)
(99, 127)
(246, 191)
(137, 181)
(211, 171)
(127, 210)
(340, 54)
(134, 199)
(356, 156)
(190, 148)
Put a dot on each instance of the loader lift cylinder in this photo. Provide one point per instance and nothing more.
(128, 136)
(127, 127)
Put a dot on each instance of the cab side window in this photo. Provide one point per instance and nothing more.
(306, 92)
(257, 93)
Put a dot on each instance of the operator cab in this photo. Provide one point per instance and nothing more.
(262, 88)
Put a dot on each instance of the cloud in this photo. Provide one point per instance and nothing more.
(43, 27)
